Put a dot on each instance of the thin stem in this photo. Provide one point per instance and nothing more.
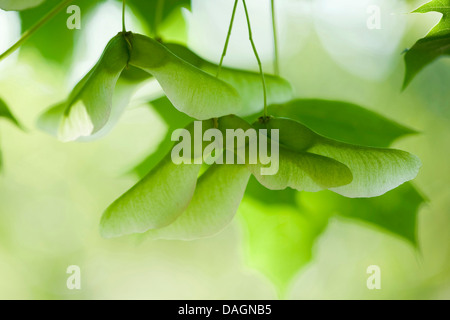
(227, 41)
(276, 64)
(250, 34)
(124, 28)
(158, 17)
(27, 34)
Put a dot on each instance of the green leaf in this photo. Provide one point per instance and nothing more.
(149, 10)
(395, 211)
(17, 5)
(342, 121)
(279, 239)
(192, 91)
(174, 120)
(6, 113)
(154, 202)
(280, 235)
(247, 84)
(127, 84)
(62, 50)
(216, 200)
(270, 197)
(88, 108)
(375, 170)
(433, 46)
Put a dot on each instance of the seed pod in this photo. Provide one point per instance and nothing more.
(89, 106)
(375, 170)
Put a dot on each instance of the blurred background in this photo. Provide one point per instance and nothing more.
(52, 194)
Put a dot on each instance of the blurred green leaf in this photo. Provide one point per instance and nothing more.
(247, 84)
(270, 197)
(192, 91)
(150, 9)
(88, 108)
(53, 40)
(396, 211)
(279, 239)
(16, 5)
(434, 45)
(154, 202)
(342, 121)
(216, 199)
(6, 113)
(174, 120)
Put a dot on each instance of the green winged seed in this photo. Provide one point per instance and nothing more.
(247, 83)
(216, 200)
(160, 197)
(298, 170)
(375, 170)
(191, 90)
(16, 5)
(154, 202)
(126, 86)
(304, 172)
(88, 108)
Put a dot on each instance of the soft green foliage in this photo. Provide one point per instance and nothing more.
(216, 199)
(88, 108)
(396, 211)
(192, 91)
(19, 4)
(154, 202)
(44, 40)
(247, 83)
(157, 11)
(434, 45)
(342, 121)
(174, 120)
(7, 114)
(279, 239)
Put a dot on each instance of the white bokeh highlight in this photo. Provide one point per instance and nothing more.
(342, 26)
(9, 33)
(209, 21)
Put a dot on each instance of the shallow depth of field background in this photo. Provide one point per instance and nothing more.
(53, 194)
